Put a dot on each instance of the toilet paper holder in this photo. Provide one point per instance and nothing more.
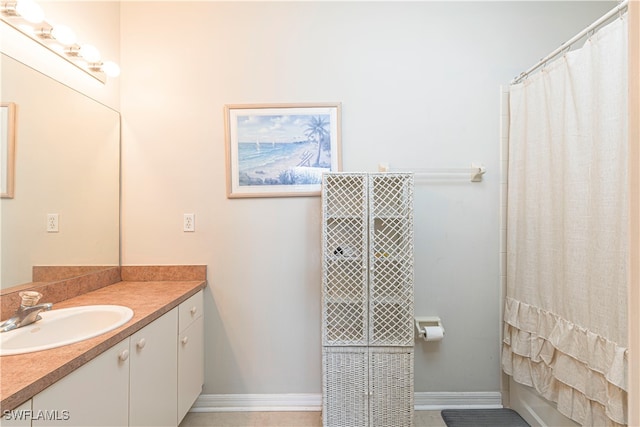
(422, 322)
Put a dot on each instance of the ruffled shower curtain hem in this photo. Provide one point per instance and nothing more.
(584, 373)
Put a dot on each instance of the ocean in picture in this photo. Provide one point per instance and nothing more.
(281, 163)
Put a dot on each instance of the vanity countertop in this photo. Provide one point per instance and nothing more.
(23, 376)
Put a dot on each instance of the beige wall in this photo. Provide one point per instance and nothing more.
(419, 85)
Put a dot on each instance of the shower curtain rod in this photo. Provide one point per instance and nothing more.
(567, 45)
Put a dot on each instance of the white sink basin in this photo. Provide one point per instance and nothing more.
(64, 326)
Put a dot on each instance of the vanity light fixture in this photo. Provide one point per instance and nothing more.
(28, 17)
(61, 33)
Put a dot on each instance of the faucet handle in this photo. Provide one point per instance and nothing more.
(30, 298)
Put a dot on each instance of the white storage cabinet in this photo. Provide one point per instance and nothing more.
(367, 299)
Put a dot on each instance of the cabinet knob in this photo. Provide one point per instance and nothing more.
(141, 343)
(193, 310)
(184, 340)
(124, 355)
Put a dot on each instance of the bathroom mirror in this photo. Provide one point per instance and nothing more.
(65, 207)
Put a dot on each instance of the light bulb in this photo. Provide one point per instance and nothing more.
(89, 53)
(30, 11)
(111, 69)
(63, 34)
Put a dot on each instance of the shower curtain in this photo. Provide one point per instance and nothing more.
(565, 318)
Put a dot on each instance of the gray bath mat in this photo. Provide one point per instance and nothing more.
(502, 417)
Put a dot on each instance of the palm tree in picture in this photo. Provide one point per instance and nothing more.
(316, 129)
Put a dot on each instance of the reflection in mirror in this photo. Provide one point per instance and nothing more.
(65, 209)
(7, 140)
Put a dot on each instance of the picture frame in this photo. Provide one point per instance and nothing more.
(281, 150)
(7, 149)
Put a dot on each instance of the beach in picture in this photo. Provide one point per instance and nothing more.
(283, 149)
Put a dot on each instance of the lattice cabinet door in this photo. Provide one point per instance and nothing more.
(391, 392)
(344, 266)
(367, 386)
(391, 259)
(345, 387)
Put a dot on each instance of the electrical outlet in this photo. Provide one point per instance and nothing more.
(189, 222)
(52, 223)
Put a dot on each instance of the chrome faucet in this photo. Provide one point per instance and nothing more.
(27, 313)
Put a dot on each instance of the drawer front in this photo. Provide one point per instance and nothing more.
(189, 311)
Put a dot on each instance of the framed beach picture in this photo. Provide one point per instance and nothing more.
(278, 150)
(7, 148)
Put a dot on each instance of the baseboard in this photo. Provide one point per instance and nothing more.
(257, 402)
(430, 401)
(313, 402)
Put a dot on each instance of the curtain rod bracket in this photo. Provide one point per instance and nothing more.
(479, 171)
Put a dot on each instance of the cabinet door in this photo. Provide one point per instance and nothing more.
(96, 394)
(391, 387)
(344, 266)
(190, 365)
(391, 260)
(19, 417)
(153, 379)
(345, 387)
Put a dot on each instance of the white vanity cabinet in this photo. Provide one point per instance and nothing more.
(149, 379)
(96, 394)
(153, 389)
(190, 353)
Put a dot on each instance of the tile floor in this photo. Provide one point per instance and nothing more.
(283, 419)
